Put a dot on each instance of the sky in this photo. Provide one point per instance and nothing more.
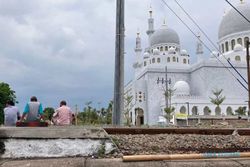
(65, 49)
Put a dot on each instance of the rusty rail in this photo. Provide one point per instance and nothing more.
(133, 130)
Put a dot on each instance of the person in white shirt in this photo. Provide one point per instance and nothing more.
(11, 114)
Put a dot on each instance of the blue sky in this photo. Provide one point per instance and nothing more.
(64, 49)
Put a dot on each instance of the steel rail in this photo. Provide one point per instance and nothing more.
(200, 131)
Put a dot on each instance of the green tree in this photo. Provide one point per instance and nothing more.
(89, 115)
(218, 99)
(169, 112)
(6, 93)
(241, 111)
(48, 113)
(108, 117)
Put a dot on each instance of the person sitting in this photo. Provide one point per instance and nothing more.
(62, 115)
(33, 111)
(11, 114)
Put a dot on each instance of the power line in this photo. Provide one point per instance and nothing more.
(215, 46)
(164, 2)
(238, 11)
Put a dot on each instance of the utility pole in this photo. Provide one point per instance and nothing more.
(119, 65)
(166, 81)
(248, 75)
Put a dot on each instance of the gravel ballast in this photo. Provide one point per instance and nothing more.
(175, 144)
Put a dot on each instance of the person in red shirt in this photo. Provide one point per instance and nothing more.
(63, 115)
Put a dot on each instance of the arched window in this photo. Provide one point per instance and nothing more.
(206, 111)
(245, 40)
(166, 48)
(151, 50)
(161, 48)
(145, 63)
(158, 48)
(153, 60)
(233, 44)
(195, 110)
(222, 48)
(158, 60)
(150, 61)
(168, 59)
(184, 61)
(239, 41)
(217, 111)
(229, 111)
(183, 110)
(237, 58)
(188, 61)
(174, 59)
(226, 44)
(177, 59)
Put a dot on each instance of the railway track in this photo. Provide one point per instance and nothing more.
(133, 130)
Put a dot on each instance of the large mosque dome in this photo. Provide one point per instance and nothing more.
(233, 22)
(164, 35)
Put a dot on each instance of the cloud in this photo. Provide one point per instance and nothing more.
(65, 49)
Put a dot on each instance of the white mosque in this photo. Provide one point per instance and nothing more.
(192, 83)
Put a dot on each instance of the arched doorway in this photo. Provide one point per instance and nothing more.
(139, 117)
(217, 111)
(206, 111)
(229, 111)
(195, 110)
(183, 110)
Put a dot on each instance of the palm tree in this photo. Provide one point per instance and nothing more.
(169, 113)
(218, 99)
(241, 111)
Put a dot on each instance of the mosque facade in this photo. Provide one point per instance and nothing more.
(164, 65)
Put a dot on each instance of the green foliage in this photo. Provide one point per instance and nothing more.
(169, 111)
(48, 113)
(218, 99)
(169, 93)
(241, 111)
(5, 94)
(101, 151)
(92, 116)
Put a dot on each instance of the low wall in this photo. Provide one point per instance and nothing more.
(48, 142)
(213, 120)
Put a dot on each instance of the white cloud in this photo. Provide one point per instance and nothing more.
(64, 49)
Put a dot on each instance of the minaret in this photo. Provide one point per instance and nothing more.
(150, 30)
(138, 50)
(199, 49)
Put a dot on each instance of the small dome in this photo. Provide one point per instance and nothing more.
(181, 88)
(238, 47)
(184, 52)
(233, 22)
(171, 50)
(156, 52)
(164, 35)
(146, 55)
